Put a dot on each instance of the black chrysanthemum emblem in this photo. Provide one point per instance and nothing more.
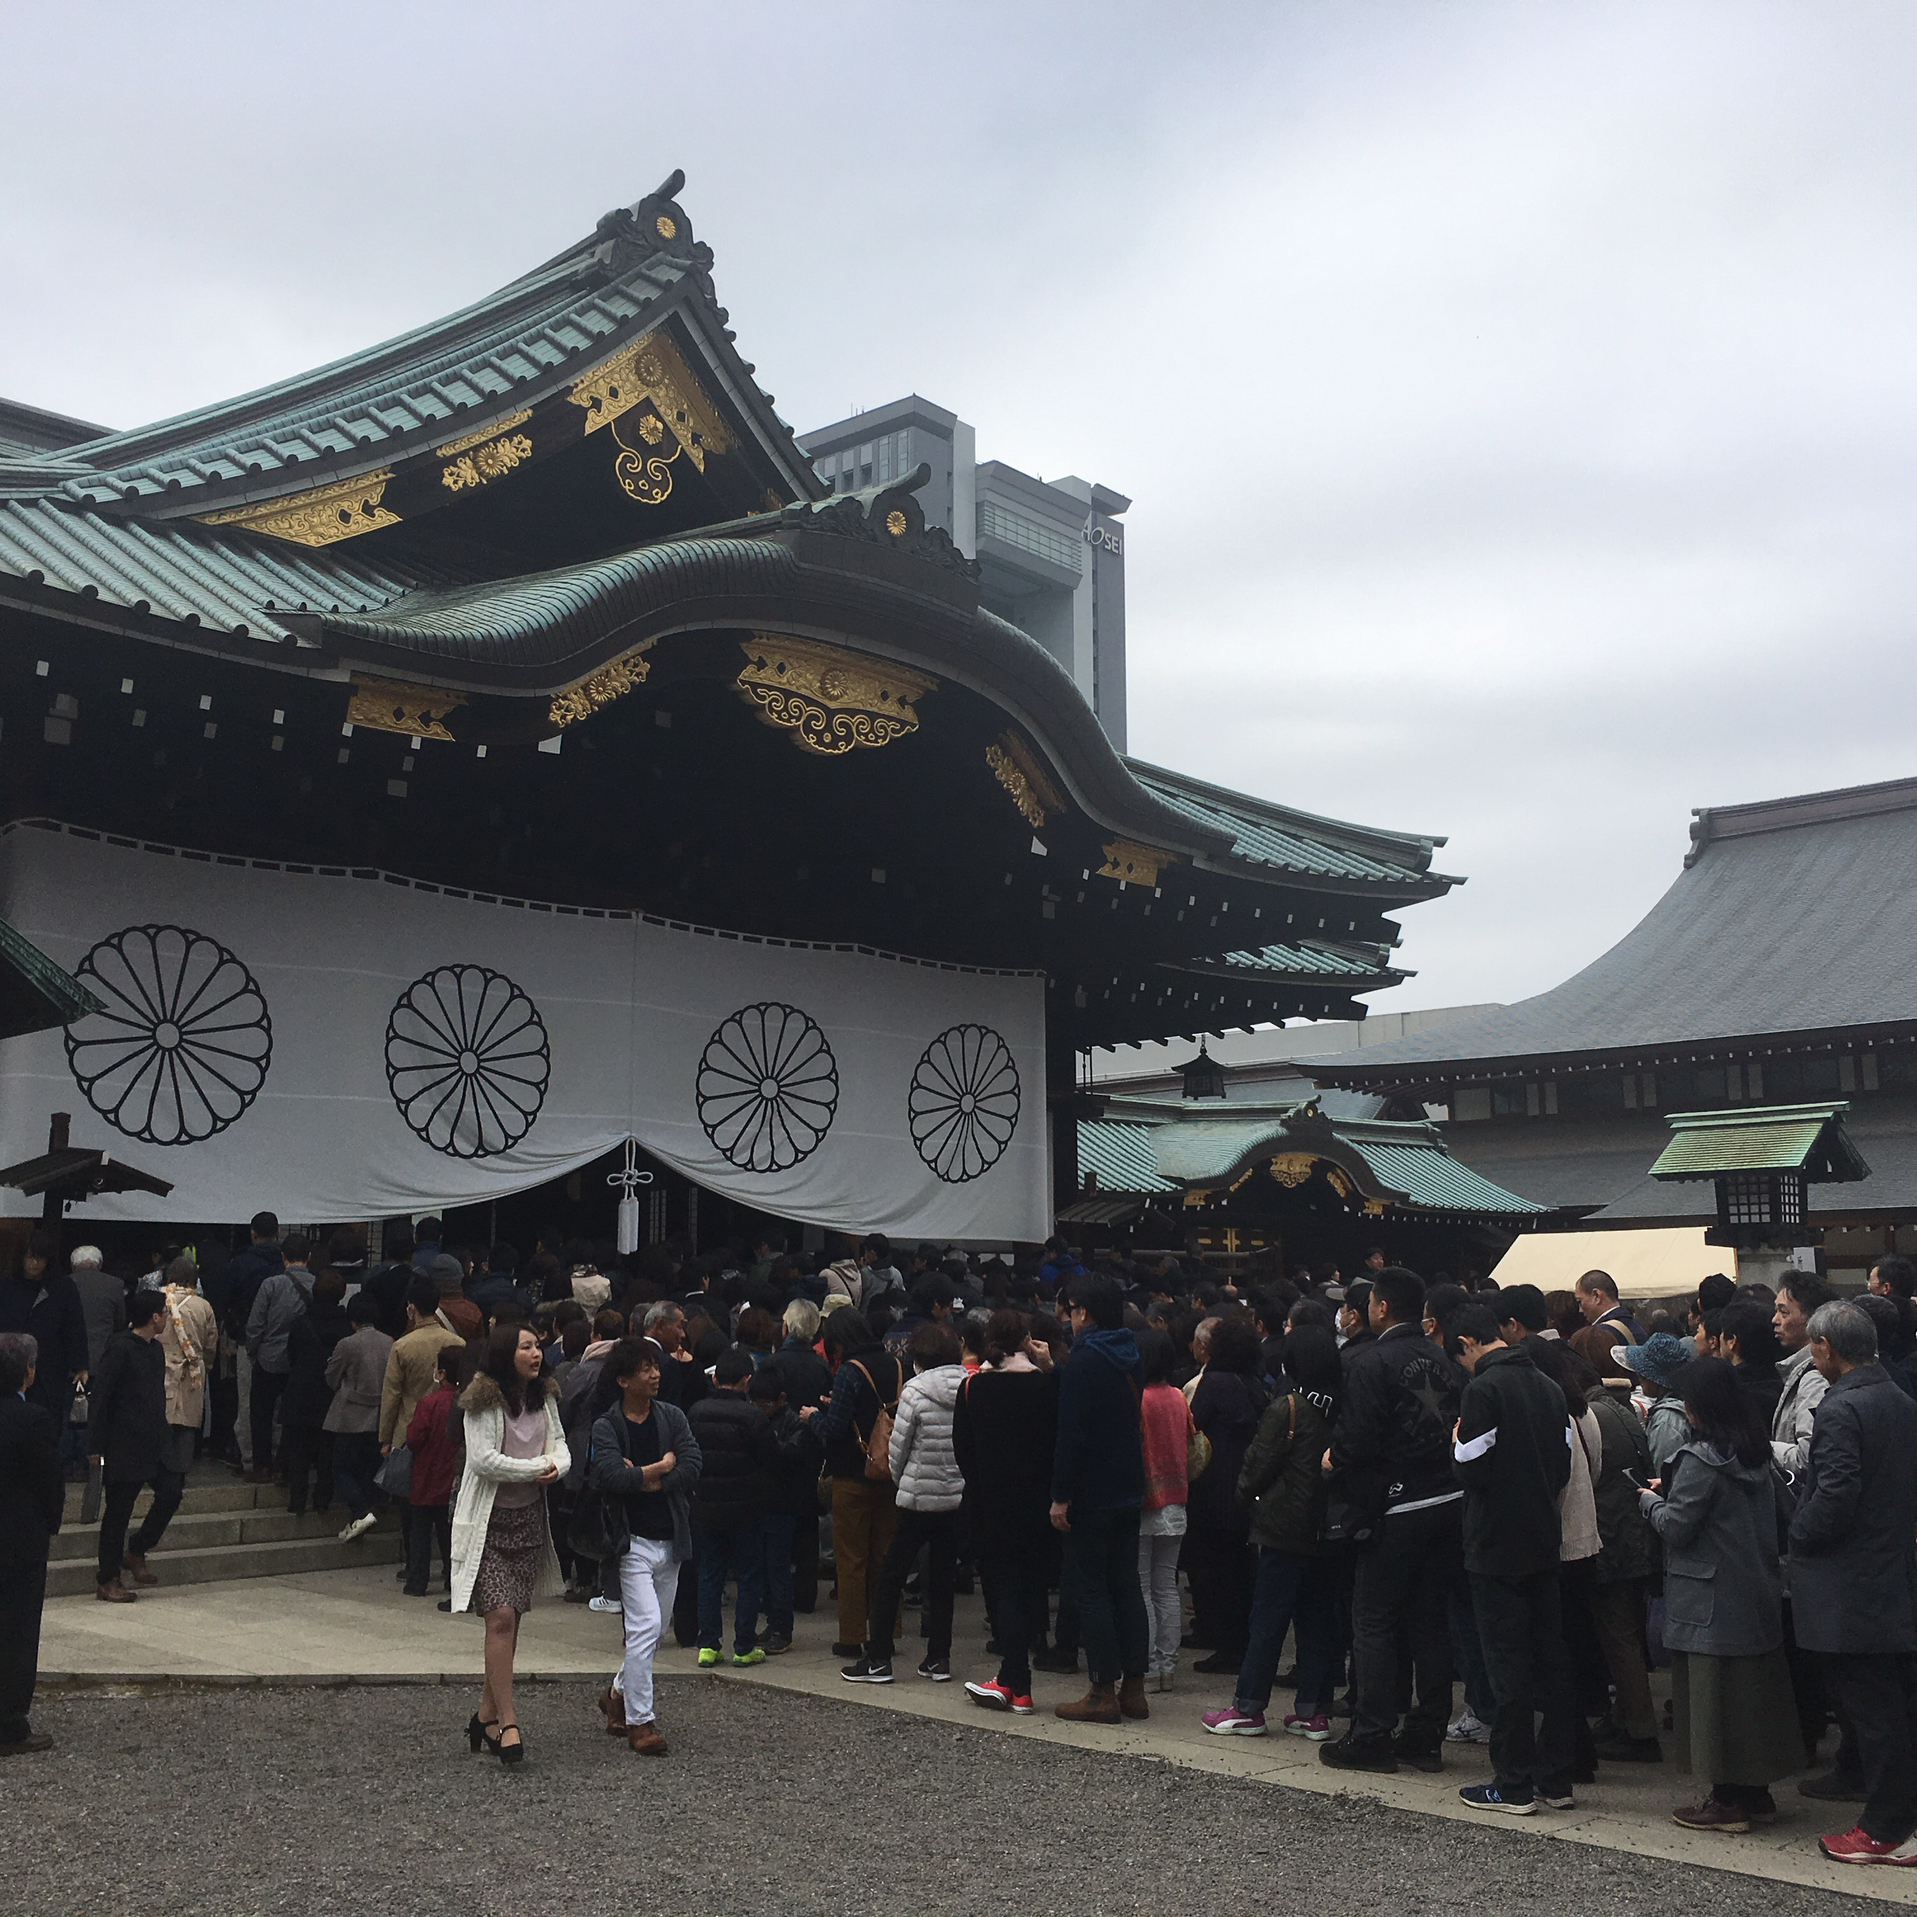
(467, 1060)
(963, 1107)
(767, 1087)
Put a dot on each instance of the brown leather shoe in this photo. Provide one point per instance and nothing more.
(614, 1706)
(1099, 1705)
(645, 1739)
(135, 1561)
(1131, 1698)
(114, 1593)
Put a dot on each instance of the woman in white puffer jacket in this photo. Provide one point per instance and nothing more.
(930, 1490)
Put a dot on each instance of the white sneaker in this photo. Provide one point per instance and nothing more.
(1467, 1729)
(358, 1528)
(604, 1604)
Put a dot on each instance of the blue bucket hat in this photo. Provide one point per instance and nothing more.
(1658, 1359)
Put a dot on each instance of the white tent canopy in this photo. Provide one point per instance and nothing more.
(1667, 1262)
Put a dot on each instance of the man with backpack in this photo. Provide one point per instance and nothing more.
(856, 1429)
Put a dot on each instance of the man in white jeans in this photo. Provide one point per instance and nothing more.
(644, 1462)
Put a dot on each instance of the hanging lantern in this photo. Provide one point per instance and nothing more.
(629, 1179)
(1204, 1077)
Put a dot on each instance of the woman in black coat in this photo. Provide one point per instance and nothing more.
(1004, 1432)
(1226, 1407)
(304, 1403)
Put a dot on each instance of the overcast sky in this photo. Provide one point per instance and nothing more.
(1520, 402)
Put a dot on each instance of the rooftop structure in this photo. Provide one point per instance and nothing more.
(542, 606)
(1775, 970)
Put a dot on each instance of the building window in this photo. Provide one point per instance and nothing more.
(1591, 1096)
(1470, 1103)
(1508, 1101)
(1028, 535)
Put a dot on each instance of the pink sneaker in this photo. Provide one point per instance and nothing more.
(1234, 1723)
(1315, 1728)
(1856, 1847)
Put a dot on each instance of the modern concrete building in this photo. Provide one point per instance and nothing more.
(1051, 552)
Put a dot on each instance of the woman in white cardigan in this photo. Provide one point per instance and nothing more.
(502, 1546)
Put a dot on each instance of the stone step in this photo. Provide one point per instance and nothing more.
(201, 1530)
(213, 1564)
(219, 1492)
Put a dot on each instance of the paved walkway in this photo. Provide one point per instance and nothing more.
(357, 1626)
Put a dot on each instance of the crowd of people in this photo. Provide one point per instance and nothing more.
(1535, 1499)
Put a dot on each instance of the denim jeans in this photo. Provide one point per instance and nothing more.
(740, 1551)
(1101, 1574)
(1290, 1591)
(778, 1573)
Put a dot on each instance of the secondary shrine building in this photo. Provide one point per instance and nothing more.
(449, 765)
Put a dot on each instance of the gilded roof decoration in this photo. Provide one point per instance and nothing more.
(830, 701)
(610, 682)
(486, 462)
(321, 517)
(390, 705)
(1134, 864)
(1017, 769)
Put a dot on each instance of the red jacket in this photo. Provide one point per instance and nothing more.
(435, 1454)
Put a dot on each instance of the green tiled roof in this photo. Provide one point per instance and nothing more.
(34, 993)
(227, 582)
(1121, 1155)
(1290, 841)
(1153, 1146)
(1767, 1138)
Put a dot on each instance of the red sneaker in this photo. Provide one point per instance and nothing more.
(995, 1697)
(1858, 1847)
(1022, 1706)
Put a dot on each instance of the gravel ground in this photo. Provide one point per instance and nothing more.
(366, 1799)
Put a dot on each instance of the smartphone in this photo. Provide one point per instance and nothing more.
(1633, 1478)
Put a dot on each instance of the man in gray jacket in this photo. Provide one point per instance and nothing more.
(282, 1298)
(1854, 1568)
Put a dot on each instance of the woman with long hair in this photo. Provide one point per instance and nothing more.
(1004, 1431)
(502, 1546)
(1282, 1482)
(1734, 1716)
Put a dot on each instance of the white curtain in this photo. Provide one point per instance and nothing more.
(335, 1045)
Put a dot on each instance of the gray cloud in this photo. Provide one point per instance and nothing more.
(1518, 400)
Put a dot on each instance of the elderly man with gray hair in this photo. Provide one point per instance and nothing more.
(1854, 1574)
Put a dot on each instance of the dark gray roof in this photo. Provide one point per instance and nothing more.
(1799, 915)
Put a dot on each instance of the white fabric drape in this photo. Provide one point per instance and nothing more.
(331, 1044)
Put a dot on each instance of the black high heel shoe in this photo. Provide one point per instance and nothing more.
(476, 1734)
(508, 1753)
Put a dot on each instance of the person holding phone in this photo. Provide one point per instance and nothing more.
(502, 1546)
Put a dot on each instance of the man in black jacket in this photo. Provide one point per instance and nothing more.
(31, 1496)
(127, 1431)
(1098, 1492)
(1854, 1574)
(1390, 1469)
(44, 1302)
(1513, 1452)
(737, 1483)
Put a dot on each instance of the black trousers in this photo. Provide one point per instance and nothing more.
(22, 1592)
(1101, 1575)
(268, 1388)
(805, 1561)
(168, 1488)
(936, 1532)
(307, 1448)
(1521, 1626)
(1222, 1571)
(424, 1523)
(1399, 1588)
(1878, 1695)
(1017, 1595)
